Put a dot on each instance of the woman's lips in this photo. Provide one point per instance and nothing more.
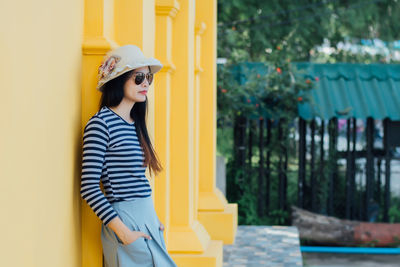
(143, 92)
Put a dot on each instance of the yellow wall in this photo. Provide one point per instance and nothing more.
(40, 116)
(51, 51)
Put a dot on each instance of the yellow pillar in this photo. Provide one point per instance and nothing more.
(134, 23)
(186, 233)
(189, 242)
(97, 41)
(165, 13)
(164, 29)
(199, 29)
(217, 216)
(108, 24)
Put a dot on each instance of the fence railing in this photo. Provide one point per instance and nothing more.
(328, 167)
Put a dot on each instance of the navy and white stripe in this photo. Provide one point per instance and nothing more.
(112, 154)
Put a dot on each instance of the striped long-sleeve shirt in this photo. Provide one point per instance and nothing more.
(112, 154)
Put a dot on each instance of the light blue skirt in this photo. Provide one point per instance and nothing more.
(138, 215)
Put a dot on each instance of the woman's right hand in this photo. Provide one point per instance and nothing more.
(131, 236)
(125, 234)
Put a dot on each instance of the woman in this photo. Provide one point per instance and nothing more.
(117, 150)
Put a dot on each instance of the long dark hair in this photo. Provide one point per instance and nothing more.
(113, 93)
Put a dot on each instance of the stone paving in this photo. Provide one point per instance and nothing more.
(270, 246)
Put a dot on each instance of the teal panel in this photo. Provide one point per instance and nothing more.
(344, 90)
(349, 90)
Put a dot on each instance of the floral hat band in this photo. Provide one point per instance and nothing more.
(122, 59)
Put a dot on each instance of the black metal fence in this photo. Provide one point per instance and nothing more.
(343, 168)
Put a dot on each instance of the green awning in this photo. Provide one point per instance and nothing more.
(347, 90)
(343, 90)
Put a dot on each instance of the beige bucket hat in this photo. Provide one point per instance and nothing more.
(122, 59)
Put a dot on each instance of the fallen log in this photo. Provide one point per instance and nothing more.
(327, 230)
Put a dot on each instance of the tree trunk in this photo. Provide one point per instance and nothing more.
(327, 230)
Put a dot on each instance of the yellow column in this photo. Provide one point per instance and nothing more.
(199, 29)
(96, 42)
(108, 24)
(217, 216)
(189, 242)
(165, 13)
(134, 23)
(186, 233)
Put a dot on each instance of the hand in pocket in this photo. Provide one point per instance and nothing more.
(132, 236)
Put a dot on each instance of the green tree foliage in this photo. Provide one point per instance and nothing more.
(278, 33)
(271, 90)
(249, 30)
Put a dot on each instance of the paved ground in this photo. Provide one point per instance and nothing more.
(270, 246)
(349, 260)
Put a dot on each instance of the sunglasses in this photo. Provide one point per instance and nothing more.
(139, 77)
